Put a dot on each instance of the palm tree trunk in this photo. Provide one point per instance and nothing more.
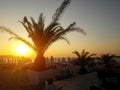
(39, 63)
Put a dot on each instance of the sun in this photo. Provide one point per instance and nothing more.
(21, 49)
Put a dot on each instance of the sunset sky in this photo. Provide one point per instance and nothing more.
(99, 18)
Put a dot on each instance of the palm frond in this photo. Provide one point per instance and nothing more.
(16, 36)
(52, 34)
(25, 41)
(63, 38)
(60, 10)
(77, 53)
(35, 25)
(41, 21)
(36, 28)
(70, 28)
(28, 27)
(8, 30)
(93, 54)
(50, 27)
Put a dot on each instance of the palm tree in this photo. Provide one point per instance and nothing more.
(83, 59)
(43, 37)
(107, 59)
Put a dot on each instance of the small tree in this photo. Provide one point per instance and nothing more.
(43, 37)
(107, 59)
(83, 59)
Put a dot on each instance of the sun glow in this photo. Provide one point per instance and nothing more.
(22, 49)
